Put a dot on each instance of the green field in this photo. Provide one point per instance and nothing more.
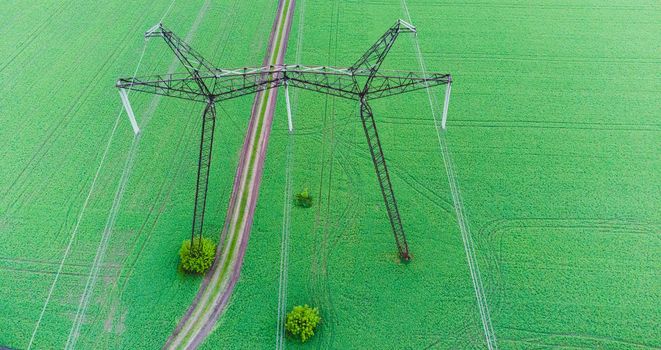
(554, 133)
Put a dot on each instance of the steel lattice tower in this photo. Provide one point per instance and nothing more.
(362, 82)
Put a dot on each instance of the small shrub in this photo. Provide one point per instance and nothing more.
(303, 199)
(199, 259)
(302, 321)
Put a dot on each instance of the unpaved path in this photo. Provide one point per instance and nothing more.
(217, 287)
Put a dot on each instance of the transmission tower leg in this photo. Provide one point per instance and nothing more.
(203, 166)
(369, 126)
(448, 89)
(289, 121)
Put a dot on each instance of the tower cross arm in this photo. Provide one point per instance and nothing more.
(392, 83)
(226, 84)
(329, 80)
(172, 85)
(220, 85)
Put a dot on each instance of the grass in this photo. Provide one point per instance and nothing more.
(553, 130)
(527, 92)
(140, 267)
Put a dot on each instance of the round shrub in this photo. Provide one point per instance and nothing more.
(302, 321)
(304, 199)
(198, 259)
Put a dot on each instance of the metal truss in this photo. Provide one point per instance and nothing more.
(239, 82)
(379, 161)
(363, 81)
(203, 167)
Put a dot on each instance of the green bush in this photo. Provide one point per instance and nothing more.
(199, 259)
(303, 199)
(302, 321)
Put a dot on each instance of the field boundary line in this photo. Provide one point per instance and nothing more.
(483, 307)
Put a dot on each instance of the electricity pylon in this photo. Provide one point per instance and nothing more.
(362, 82)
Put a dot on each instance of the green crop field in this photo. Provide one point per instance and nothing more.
(552, 156)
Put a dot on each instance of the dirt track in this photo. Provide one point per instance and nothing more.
(219, 283)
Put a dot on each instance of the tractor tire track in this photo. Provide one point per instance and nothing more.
(80, 216)
(328, 242)
(288, 203)
(35, 33)
(433, 196)
(56, 130)
(319, 245)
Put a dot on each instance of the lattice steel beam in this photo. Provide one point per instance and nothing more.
(361, 82)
